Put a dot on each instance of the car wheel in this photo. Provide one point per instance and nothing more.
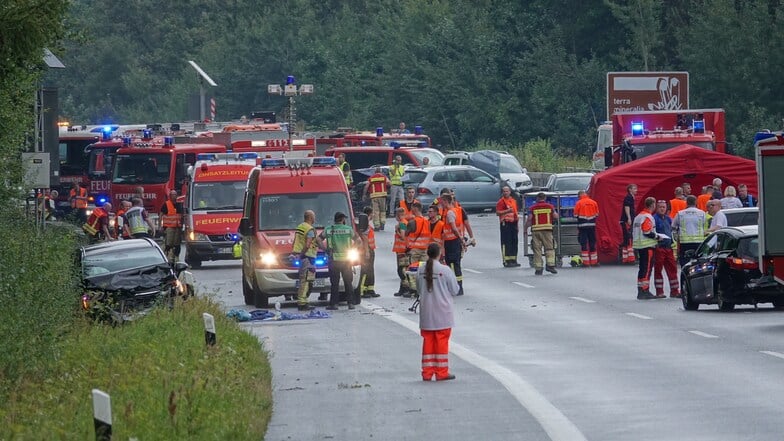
(688, 303)
(260, 299)
(247, 290)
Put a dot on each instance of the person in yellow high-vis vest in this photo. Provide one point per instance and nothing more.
(306, 245)
(396, 172)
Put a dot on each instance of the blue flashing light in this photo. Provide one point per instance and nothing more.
(235, 237)
(110, 128)
(102, 199)
(394, 144)
(418, 130)
(206, 157)
(379, 131)
(248, 155)
(146, 134)
(321, 261)
(268, 163)
(759, 136)
(291, 80)
(363, 143)
(168, 141)
(699, 126)
(326, 160)
(126, 140)
(637, 129)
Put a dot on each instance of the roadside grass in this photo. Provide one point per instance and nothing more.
(164, 382)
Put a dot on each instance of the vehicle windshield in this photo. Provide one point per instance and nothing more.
(742, 217)
(436, 157)
(112, 260)
(509, 164)
(151, 168)
(227, 195)
(647, 149)
(284, 212)
(571, 183)
(101, 160)
(72, 157)
(414, 177)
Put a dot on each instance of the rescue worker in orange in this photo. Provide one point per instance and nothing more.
(663, 255)
(702, 200)
(78, 199)
(418, 235)
(367, 274)
(399, 247)
(506, 210)
(677, 203)
(376, 188)
(119, 219)
(453, 238)
(436, 226)
(541, 216)
(587, 211)
(97, 225)
(171, 222)
(644, 239)
(406, 202)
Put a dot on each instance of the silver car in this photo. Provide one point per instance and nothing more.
(474, 188)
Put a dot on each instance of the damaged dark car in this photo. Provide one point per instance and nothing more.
(124, 280)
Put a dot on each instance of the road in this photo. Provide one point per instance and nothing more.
(564, 357)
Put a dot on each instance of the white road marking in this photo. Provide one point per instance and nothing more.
(473, 271)
(524, 285)
(704, 334)
(639, 316)
(774, 354)
(557, 426)
(581, 299)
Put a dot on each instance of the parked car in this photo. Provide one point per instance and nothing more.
(568, 182)
(357, 191)
(737, 217)
(724, 270)
(499, 164)
(123, 280)
(474, 188)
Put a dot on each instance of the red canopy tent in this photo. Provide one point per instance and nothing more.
(657, 176)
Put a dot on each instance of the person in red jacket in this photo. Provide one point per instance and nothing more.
(587, 211)
(97, 225)
(506, 210)
(377, 187)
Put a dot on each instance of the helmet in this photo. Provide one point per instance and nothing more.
(576, 261)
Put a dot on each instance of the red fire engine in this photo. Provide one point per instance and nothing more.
(640, 134)
(769, 149)
(73, 161)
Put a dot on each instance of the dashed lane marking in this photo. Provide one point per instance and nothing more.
(639, 316)
(773, 354)
(473, 271)
(557, 426)
(584, 300)
(703, 334)
(524, 285)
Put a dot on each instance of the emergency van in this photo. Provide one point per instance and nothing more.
(214, 205)
(278, 193)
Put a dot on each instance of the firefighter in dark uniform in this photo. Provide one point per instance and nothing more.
(453, 237)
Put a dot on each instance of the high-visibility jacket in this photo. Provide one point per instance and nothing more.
(346, 169)
(300, 239)
(702, 201)
(419, 239)
(378, 185)
(448, 233)
(172, 219)
(80, 200)
(396, 173)
(676, 205)
(118, 226)
(136, 222)
(339, 239)
(436, 231)
(371, 238)
(642, 227)
(690, 224)
(406, 206)
(399, 245)
(586, 210)
(541, 216)
(93, 224)
(505, 204)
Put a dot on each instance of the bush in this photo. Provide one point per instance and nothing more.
(39, 296)
(164, 382)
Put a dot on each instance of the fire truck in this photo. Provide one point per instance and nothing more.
(769, 148)
(639, 134)
(158, 169)
(274, 147)
(214, 205)
(73, 160)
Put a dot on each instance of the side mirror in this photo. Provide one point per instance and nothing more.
(245, 227)
(363, 223)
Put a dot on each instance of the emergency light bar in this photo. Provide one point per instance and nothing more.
(226, 156)
(699, 126)
(168, 141)
(379, 131)
(418, 130)
(408, 143)
(638, 129)
(106, 133)
(126, 141)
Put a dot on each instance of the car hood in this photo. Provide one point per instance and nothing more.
(133, 280)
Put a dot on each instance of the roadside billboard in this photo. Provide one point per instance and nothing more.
(640, 91)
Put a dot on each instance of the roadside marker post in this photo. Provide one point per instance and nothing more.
(209, 329)
(102, 415)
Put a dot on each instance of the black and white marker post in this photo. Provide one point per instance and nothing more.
(209, 329)
(102, 415)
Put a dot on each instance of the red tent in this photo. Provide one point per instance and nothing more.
(657, 176)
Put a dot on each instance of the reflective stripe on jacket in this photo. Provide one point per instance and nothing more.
(542, 216)
(136, 221)
(91, 227)
(586, 210)
(690, 224)
(420, 238)
(378, 185)
(171, 219)
(643, 223)
(300, 239)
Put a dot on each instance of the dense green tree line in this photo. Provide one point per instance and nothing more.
(467, 70)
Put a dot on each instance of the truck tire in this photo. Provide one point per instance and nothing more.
(247, 290)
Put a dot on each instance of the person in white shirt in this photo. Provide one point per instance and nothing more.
(719, 219)
(730, 199)
(437, 285)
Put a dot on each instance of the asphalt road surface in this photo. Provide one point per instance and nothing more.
(569, 356)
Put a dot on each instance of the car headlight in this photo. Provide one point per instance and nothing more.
(88, 213)
(353, 255)
(268, 258)
(197, 236)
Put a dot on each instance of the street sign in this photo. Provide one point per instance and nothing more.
(640, 91)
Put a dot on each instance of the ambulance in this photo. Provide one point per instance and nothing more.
(214, 205)
(278, 193)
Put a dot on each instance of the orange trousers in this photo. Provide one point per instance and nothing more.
(435, 353)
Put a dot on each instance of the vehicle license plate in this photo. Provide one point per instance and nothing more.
(318, 283)
(225, 250)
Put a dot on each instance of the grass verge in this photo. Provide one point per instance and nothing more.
(164, 382)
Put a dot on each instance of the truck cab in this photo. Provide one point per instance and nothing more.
(277, 194)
